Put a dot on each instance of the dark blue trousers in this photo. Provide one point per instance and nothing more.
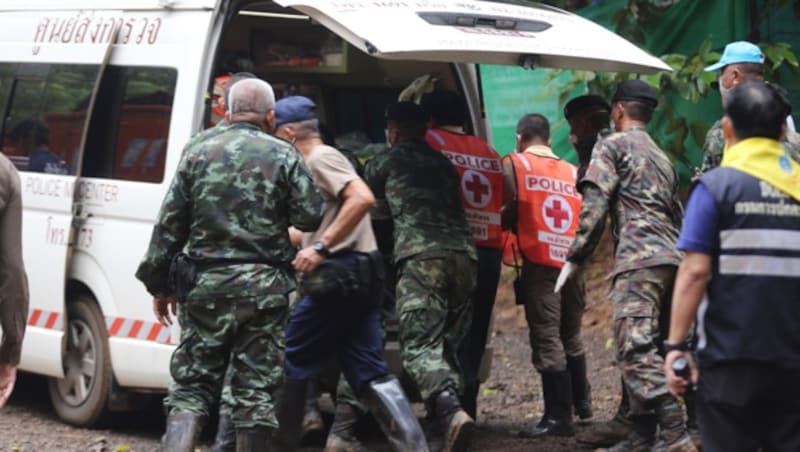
(348, 329)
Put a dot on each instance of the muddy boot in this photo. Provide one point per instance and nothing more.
(457, 426)
(342, 436)
(312, 419)
(225, 441)
(388, 403)
(254, 439)
(557, 419)
(642, 436)
(606, 434)
(290, 408)
(581, 390)
(183, 429)
(673, 436)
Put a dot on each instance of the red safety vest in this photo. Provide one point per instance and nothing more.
(217, 111)
(481, 176)
(548, 205)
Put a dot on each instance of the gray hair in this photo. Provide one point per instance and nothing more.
(251, 96)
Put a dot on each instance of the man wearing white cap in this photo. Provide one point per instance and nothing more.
(740, 61)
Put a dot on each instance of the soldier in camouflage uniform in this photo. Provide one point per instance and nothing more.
(436, 264)
(229, 208)
(739, 62)
(633, 180)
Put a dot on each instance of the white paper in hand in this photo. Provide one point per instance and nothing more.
(566, 272)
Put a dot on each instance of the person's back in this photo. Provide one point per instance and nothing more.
(740, 278)
(13, 281)
(644, 208)
(422, 193)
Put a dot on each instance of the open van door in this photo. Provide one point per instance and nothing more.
(53, 91)
(478, 32)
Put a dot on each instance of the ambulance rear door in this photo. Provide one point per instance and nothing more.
(478, 32)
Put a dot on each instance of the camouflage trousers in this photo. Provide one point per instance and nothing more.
(554, 320)
(240, 337)
(435, 308)
(640, 297)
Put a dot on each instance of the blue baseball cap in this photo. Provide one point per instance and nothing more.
(738, 52)
(294, 109)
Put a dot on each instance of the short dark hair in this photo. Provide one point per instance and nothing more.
(446, 107)
(638, 111)
(533, 125)
(757, 109)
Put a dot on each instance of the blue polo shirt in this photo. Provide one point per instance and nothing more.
(699, 233)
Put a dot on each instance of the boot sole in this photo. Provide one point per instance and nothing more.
(459, 434)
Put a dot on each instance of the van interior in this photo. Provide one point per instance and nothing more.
(298, 56)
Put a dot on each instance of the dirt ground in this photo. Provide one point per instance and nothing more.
(509, 400)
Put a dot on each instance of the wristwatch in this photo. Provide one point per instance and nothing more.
(320, 248)
(681, 346)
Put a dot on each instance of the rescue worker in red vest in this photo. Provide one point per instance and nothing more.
(480, 170)
(541, 207)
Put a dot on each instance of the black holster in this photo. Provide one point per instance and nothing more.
(182, 275)
(336, 278)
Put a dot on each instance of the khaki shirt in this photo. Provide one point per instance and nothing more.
(332, 172)
(13, 281)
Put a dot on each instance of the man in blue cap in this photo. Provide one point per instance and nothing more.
(740, 61)
(342, 286)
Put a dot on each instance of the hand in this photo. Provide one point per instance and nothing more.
(697, 174)
(8, 376)
(677, 385)
(161, 308)
(566, 272)
(307, 260)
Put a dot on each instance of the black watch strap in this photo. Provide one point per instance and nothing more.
(681, 346)
(320, 248)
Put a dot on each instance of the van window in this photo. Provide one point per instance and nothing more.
(45, 115)
(130, 125)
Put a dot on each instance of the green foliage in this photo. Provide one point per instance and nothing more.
(687, 81)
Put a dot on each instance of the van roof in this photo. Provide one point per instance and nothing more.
(61, 5)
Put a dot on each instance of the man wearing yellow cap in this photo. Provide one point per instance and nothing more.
(741, 235)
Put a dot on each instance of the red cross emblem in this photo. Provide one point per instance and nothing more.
(476, 188)
(557, 214)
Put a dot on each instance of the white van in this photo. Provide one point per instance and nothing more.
(99, 97)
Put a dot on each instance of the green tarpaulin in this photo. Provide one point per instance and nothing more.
(510, 92)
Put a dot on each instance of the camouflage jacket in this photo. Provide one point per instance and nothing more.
(419, 188)
(229, 207)
(633, 180)
(715, 145)
(210, 132)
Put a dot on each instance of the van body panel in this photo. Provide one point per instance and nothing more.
(105, 5)
(479, 32)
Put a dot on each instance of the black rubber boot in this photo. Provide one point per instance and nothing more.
(557, 419)
(673, 436)
(290, 410)
(183, 429)
(388, 403)
(456, 425)
(690, 398)
(312, 418)
(225, 441)
(342, 436)
(254, 439)
(606, 434)
(581, 390)
(642, 436)
(469, 401)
